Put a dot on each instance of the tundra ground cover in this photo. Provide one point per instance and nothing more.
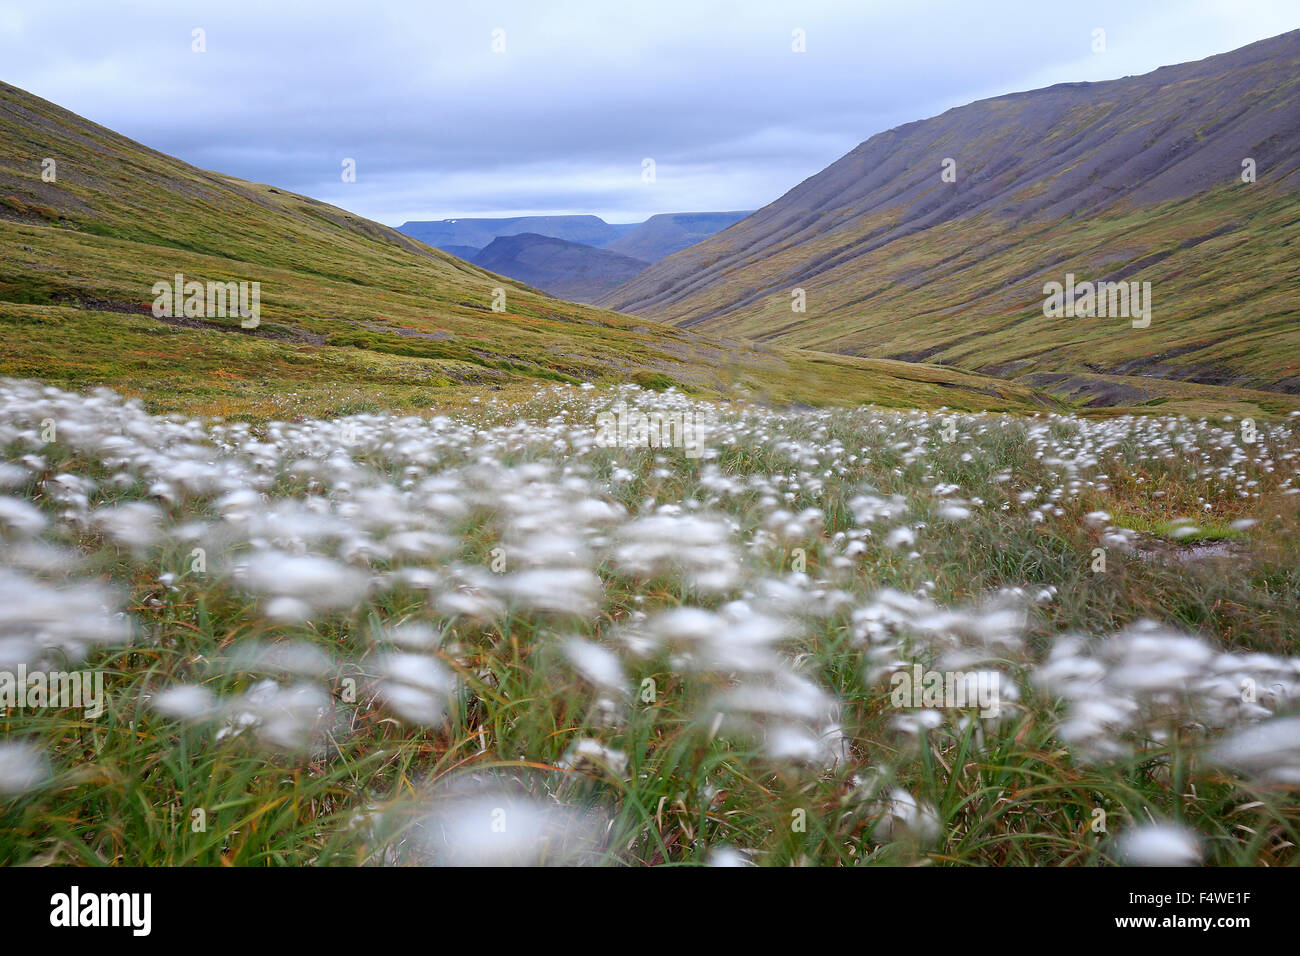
(481, 636)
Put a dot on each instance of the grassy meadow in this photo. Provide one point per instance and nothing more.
(504, 631)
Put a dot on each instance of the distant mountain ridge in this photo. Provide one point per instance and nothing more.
(477, 233)
(1132, 179)
(662, 235)
(569, 270)
(659, 236)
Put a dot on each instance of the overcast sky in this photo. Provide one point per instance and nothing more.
(442, 125)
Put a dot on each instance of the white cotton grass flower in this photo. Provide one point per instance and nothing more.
(418, 544)
(823, 747)
(1160, 844)
(283, 718)
(902, 817)
(735, 639)
(914, 724)
(587, 754)
(999, 622)
(475, 601)
(785, 696)
(20, 518)
(188, 702)
(1070, 670)
(412, 635)
(1268, 751)
(1122, 539)
(297, 658)
(900, 537)
(489, 824)
(66, 621)
(695, 548)
(598, 665)
(678, 628)
(23, 768)
(35, 556)
(288, 610)
(1095, 727)
(1133, 684)
(135, 525)
(415, 687)
(13, 476)
(727, 856)
(793, 718)
(301, 585)
(557, 591)
(870, 508)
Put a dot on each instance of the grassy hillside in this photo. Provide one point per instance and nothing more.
(1223, 271)
(354, 314)
(1137, 179)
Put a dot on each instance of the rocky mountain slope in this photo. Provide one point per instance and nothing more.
(1138, 180)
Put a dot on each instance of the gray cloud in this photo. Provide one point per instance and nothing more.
(559, 122)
